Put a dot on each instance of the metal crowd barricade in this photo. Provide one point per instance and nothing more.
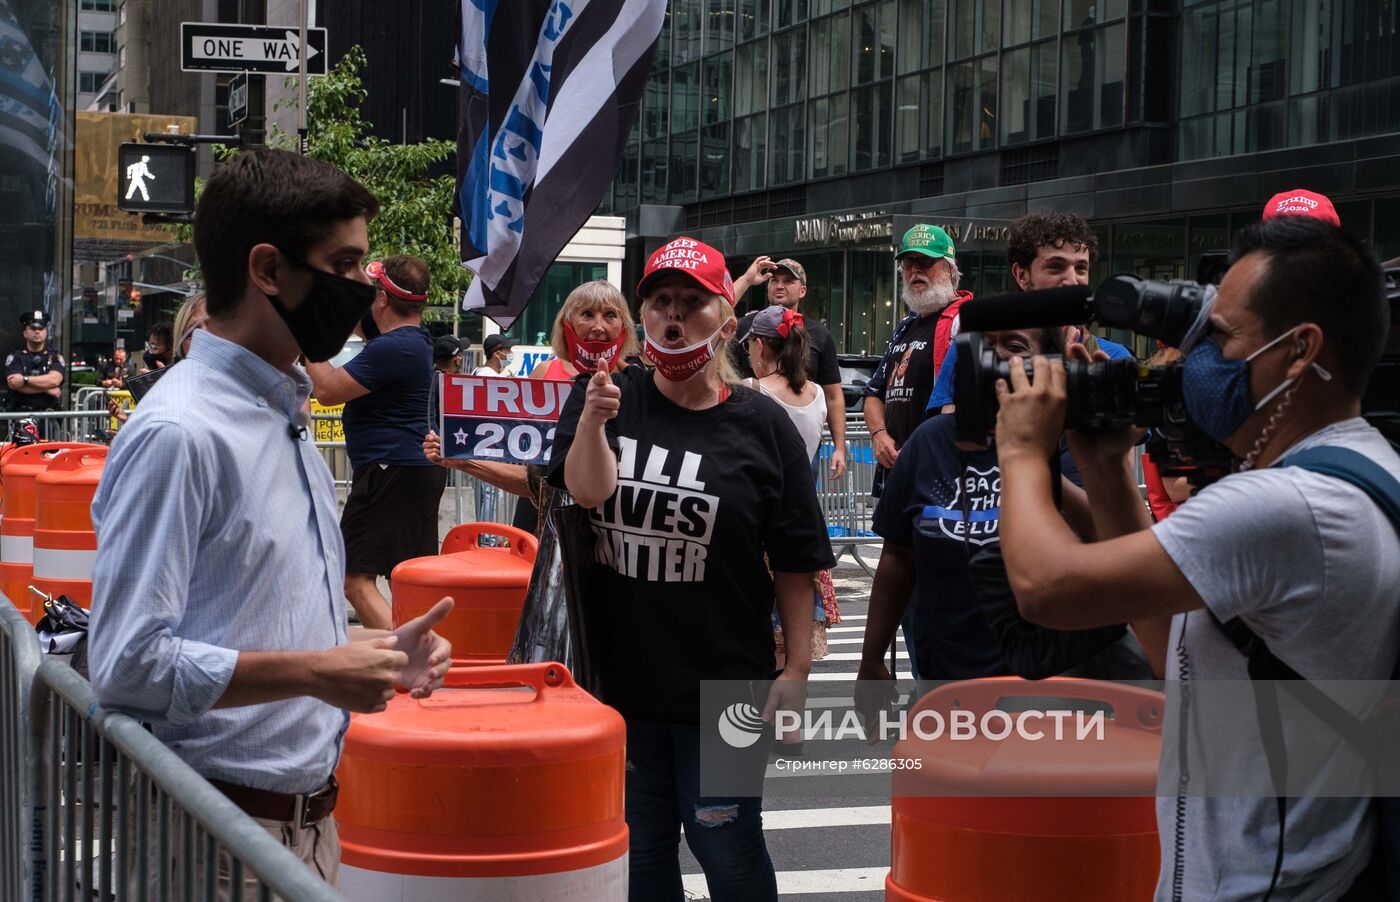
(64, 425)
(124, 819)
(19, 760)
(846, 503)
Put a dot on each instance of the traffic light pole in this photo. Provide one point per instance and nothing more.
(301, 82)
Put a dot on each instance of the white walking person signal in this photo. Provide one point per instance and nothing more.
(136, 174)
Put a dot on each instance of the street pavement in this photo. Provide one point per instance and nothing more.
(828, 834)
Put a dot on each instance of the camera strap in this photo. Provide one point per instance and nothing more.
(1268, 672)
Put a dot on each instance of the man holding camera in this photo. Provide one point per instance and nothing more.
(1306, 561)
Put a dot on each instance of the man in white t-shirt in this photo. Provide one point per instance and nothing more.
(1308, 562)
(498, 357)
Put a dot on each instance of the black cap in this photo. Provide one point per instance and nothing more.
(493, 343)
(34, 318)
(449, 346)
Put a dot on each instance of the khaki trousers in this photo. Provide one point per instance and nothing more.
(317, 846)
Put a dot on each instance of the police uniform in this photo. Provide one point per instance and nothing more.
(27, 363)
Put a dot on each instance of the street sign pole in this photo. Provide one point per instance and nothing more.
(238, 99)
(301, 86)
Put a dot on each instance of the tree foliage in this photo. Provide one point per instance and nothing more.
(416, 208)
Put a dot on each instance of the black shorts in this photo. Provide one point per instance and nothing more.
(391, 515)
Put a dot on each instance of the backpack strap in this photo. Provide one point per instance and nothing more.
(1266, 669)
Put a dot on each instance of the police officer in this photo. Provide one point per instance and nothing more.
(35, 372)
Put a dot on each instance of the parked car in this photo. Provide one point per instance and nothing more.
(856, 370)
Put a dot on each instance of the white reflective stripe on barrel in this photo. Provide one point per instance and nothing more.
(606, 882)
(16, 549)
(60, 563)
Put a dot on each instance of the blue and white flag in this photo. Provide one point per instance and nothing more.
(550, 90)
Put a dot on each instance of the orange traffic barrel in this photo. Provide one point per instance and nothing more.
(506, 784)
(65, 544)
(1014, 808)
(487, 585)
(19, 471)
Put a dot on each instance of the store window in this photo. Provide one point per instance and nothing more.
(872, 122)
(829, 135)
(751, 78)
(788, 145)
(752, 18)
(714, 160)
(750, 152)
(1092, 87)
(972, 105)
(789, 66)
(719, 25)
(1028, 93)
(715, 97)
(685, 159)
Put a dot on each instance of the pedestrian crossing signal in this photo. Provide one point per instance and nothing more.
(155, 178)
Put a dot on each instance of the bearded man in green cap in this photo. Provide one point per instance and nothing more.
(897, 394)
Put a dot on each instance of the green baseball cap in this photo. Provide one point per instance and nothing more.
(929, 240)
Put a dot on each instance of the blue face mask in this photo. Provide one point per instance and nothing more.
(1216, 388)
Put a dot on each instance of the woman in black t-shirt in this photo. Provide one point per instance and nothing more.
(690, 479)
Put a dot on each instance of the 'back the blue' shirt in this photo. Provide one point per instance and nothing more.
(387, 425)
(945, 504)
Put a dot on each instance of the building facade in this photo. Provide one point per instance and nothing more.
(97, 48)
(821, 129)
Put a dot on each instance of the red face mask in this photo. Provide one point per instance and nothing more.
(590, 356)
(680, 364)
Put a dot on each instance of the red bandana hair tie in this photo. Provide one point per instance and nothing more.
(377, 273)
(790, 318)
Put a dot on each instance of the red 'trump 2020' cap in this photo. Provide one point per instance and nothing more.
(1300, 202)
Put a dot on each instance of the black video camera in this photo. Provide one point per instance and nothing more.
(1103, 396)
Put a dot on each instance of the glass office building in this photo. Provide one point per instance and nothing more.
(821, 129)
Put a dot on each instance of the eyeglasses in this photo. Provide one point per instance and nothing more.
(917, 261)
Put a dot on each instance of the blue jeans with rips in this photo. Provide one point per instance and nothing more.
(663, 796)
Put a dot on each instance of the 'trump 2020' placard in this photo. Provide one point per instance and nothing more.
(499, 418)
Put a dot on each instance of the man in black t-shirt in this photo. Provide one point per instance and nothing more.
(391, 513)
(787, 287)
(897, 394)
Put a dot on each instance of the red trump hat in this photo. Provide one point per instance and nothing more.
(1299, 202)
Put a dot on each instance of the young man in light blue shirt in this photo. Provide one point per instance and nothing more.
(218, 589)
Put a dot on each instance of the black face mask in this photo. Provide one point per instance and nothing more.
(327, 315)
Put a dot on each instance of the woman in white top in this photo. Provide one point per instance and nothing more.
(777, 346)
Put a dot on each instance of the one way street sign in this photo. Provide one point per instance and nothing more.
(213, 47)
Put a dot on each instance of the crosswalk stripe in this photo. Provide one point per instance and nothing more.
(844, 629)
(845, 677)
(792, 883)
(845, 617)
(842, 656)
(852, 640)
(799, 818)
